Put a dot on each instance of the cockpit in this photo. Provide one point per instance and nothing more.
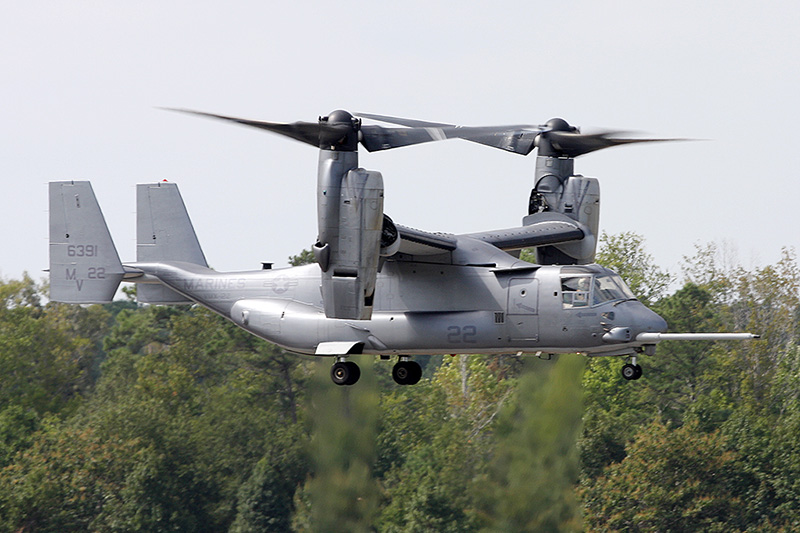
(591, 289)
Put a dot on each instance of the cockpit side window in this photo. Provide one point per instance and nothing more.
(575, 291)
(585, 290)
(610, 288)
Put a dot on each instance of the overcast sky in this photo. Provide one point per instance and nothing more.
(81, 84)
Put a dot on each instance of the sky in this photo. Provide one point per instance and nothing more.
(83, 84)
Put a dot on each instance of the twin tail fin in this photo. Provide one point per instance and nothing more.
(84, 264)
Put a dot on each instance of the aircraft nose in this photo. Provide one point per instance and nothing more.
(652, 321)
(642, 319)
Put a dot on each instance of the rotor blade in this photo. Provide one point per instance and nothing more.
(575, 144)
(323, 134)
(517, 139)
(409, 122)
(375, 138)
(520, 139)
(311, 133)
(514, 138)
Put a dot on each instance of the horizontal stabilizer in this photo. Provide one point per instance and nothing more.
(84, 264)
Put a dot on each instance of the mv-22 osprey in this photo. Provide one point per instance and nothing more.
(378, 287)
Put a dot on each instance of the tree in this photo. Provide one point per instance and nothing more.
(342, 492)
(305, 257)
(688, 377)
(266, 499)
(49, 354)
(17, 427)
(626, 255)
(201, 398)
(68, 480)
(435, 441)
(671, 480)
(531, 478)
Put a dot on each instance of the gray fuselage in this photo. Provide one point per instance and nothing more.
(427, 308)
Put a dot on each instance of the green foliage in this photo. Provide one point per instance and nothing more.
(306, 257)
(672, 480)
(265, 500)
(435, 440)
(610, 416)
(528, 254)
(48, 354)
(67, 480)
(17, 426)
(118, 418)
(625, 254)
(684, 374)
(531, 479)
(342, 491)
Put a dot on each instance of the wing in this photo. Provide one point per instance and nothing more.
(539, 233)
(418, 242)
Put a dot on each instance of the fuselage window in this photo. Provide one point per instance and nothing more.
(575, 291)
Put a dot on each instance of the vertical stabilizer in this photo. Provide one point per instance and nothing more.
(164, 233)
(84, 264)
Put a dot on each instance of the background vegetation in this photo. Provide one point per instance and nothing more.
(118, 418)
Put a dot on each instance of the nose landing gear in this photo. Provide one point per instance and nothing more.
(345, 372)
(632, 370)
(406, 372)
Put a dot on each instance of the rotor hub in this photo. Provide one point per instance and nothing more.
(339, 131)
(559, 124)
(339, 116)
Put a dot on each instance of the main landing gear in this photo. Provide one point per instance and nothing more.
(632, 370)
(345, 372)
(405, 372)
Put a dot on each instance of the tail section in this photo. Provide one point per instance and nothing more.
(84, 264)
(164, 232)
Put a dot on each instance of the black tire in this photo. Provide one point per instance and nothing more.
(401, 372)
(355, 373)
(415, 374)
(341, 373)
(639, 372)
(629, 371)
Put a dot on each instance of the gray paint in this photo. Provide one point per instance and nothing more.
(473, 299)
(420, 293)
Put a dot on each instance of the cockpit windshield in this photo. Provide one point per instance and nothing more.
(610, 287)
(588, 290)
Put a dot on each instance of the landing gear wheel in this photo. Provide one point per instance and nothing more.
(631, 372)
(407, 373)
(400, 372)
(345, 373)
(416, 373)
(355, 373)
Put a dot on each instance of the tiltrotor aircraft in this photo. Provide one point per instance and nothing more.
(379, 287)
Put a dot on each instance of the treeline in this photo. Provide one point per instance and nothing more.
(120, 418)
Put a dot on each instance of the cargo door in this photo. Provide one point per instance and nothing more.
(522, 314)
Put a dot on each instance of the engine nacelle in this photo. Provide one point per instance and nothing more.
(352, 228)
(577, 197)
